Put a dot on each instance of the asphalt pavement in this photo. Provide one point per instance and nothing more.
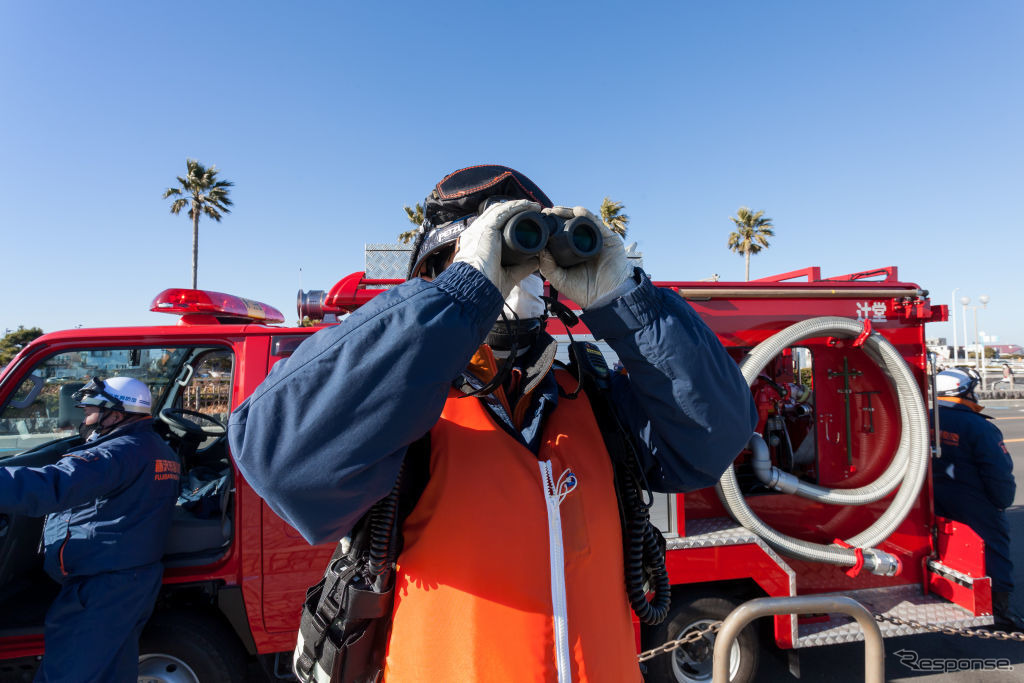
(934, 658)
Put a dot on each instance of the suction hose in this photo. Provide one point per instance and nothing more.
(907, 470)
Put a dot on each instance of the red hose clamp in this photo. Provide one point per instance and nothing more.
(859, 341)
(858, 552)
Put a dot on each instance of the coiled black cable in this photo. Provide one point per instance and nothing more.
(383, 548)
(643, 556)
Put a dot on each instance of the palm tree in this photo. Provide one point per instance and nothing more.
(611, 214)
(751, 235)
(415, 217)
(203, 193)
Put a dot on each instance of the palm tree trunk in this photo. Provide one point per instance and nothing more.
(746, 259)
(195, 247)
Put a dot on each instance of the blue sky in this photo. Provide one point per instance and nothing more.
(872, 133)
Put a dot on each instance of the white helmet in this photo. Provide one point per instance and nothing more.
(125, 394)
(958, 382)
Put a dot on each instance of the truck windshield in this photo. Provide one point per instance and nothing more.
(41, 409)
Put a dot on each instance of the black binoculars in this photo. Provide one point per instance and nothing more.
(570, 241)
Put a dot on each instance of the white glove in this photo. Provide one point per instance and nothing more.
(480, 245)
(592, 282)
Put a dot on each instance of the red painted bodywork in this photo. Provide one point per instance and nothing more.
(960, 547)
(273, 565)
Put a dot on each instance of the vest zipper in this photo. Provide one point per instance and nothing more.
(554, 494)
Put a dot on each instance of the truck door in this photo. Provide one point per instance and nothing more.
(290, 564)
(39, 423)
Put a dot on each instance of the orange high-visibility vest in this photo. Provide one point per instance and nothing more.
(505, 575)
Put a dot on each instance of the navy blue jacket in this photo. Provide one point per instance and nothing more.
(981, 466)
(322, 438)
(974, 483)
(109, 501)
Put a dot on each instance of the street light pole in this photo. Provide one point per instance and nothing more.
(953, 309)
(982, 373)
(964, 300)
(983, 300)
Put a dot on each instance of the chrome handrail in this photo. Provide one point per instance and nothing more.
(874, 650)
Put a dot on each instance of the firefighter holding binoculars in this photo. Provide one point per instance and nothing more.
(512, 563)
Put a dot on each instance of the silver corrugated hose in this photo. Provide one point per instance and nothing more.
(907, 470)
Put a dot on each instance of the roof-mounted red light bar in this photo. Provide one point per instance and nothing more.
(201, 306)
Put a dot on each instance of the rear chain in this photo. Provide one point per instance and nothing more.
(691, 637)
(953, 631)
(694, 636)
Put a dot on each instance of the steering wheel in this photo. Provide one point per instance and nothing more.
(191, 424)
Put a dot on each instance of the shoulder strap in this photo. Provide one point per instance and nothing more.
(643, 546)
(346, 616)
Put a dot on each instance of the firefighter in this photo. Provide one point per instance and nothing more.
(974, 484)
(109, 503)
(512, 567)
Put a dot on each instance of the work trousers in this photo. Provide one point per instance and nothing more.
(93, 626)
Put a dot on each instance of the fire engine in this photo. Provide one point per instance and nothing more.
(833, 495)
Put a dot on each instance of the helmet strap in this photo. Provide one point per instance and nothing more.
(98, 428)
(506, 367)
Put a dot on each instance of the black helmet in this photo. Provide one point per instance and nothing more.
(461, 195)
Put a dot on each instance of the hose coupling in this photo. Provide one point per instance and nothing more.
(881, 563)
(770, 476)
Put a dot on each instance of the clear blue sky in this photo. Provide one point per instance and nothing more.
(873, 133)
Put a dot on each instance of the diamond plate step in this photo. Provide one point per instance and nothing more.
(905, 602)
(715, 531)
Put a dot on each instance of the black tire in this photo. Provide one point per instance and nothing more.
(179, 647)
(693, 662)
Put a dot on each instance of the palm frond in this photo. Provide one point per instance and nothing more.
(612, 216)
(415, 216)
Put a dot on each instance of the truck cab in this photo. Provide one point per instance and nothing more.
(235, 573)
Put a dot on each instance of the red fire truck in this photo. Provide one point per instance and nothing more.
(834, 497)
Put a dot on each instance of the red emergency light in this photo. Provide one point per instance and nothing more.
(200, 305)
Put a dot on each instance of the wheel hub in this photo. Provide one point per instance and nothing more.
(694, 661)
(163, 668)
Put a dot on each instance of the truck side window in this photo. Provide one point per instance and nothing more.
(208, 390)
(42, 409)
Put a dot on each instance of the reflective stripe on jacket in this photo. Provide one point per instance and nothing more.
(512, 568)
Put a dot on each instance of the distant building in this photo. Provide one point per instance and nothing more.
(1007, 349)
(939, 347)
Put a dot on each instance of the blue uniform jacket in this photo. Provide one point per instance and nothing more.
(974, 483)
(982, 468)
(109, 501)
(322, 438)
